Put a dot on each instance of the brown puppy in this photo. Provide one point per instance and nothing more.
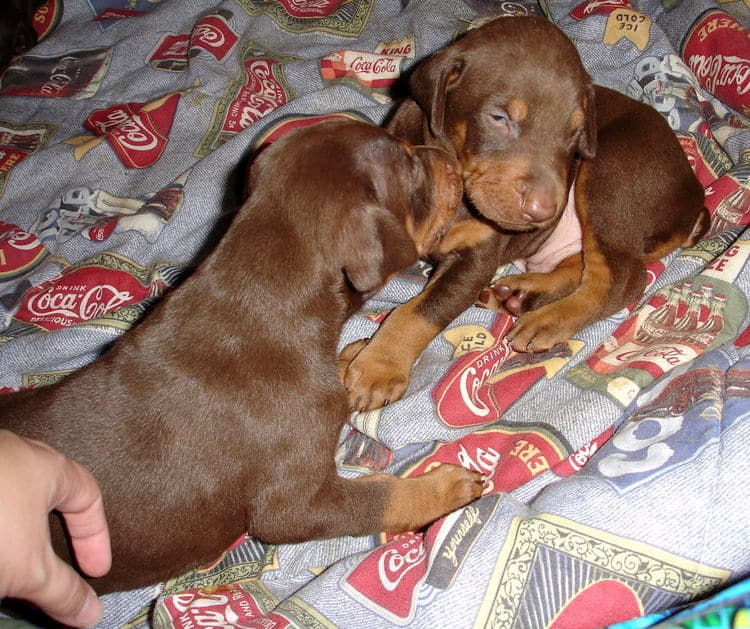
(545, 156)
(197, 438)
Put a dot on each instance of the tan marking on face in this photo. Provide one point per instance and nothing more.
(577, 119)
(518, 109)
(458, 138)
(465, 234)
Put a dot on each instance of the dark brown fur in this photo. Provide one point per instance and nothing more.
(512, 100)
(220, 412)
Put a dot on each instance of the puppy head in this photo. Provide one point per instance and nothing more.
(513, 101)
(411, 198)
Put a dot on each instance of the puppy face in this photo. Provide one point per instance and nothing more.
(513, 101)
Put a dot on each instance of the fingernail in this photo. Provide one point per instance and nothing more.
(91, 612)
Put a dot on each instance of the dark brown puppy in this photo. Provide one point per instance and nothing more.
(512, 100)
(196, 438)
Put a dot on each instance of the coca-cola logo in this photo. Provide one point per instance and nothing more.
(82, 295)
(19, 250)
(467, 394)
(395, 563)
(137, 132)
(61, 76)
(261, 94)
(95, 302)
(102, 121)
(387, 578)
(134, 134)
(506, 458)
(224, 606)
(576, 461)
(213, 35)
(381, 65)
(369, 69)
(716, 51)
(671, 354)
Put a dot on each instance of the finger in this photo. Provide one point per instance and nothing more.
(65, 596)
(79, 500)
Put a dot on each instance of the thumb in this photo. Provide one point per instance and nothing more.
(65, 596)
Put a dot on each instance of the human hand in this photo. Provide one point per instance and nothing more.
(34, 480)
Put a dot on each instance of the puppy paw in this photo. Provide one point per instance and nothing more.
(372, 380)
(513, 294)
(456, 486)
(537, 331)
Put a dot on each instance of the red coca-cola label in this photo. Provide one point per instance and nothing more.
(261, 94)
(507, 458)
(74, 74)
(83, 294)
(311, 8)
(482, 384)
(171, 52)
(9, 157)
(387, 578)
(137, 132)
(102, 121)
(717, 50)
(696, 159)
(223, 606)
(46, 17)
(598, 7)
(19, 251)
(729, 203)
(213, 35)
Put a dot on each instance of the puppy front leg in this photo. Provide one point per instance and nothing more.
(378, 372)
(516, 294)
(369, 505)
(609, 282)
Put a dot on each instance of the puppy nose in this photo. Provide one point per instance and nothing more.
(538, 202)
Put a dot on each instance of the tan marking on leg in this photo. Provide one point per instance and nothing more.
(541, 329)
(379, 372)
(413, 503)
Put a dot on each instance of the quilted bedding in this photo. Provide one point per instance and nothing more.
(616, 464)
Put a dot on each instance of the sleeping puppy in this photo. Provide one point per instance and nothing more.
(221, 411)
(579, 184)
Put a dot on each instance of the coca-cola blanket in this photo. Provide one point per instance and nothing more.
(617, 465)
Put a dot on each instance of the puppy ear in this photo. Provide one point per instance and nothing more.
(429, 84)
(587, 138)
(374, 245)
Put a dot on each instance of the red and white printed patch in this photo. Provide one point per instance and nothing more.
(19, 251)
(717, 49)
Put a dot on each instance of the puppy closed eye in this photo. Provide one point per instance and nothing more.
(501, 120)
